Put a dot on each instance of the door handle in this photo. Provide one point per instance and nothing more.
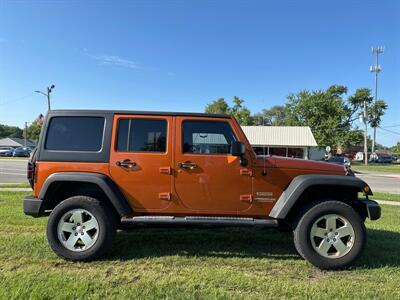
(187, 165)
(126, 164)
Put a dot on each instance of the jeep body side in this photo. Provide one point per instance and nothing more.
(153, 167)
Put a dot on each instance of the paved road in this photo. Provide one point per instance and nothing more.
(13, 171)
(381, 181)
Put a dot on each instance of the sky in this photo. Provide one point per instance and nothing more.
(181, 55)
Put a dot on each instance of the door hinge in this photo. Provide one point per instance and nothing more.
(246, 172)
(164, 196)
(165, 170)
(246, 198)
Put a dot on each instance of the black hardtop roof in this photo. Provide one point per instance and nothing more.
(133, 112)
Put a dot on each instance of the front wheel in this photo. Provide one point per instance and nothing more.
(330, 235)
(80, 228)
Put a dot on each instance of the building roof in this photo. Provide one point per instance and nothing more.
(292, 136)
(15, 142)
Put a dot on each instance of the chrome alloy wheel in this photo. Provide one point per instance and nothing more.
(78, 230)
(332, 236)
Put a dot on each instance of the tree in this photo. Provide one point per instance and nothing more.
(240, 112)
(328, 115)
(33, 131)
(275, 116)
(10, 131)
(376, 111)
(218, 106)
(396, 148)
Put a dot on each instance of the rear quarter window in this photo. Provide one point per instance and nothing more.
(75, 134)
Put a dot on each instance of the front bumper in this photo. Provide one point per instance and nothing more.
(33, 206)
(373, 210)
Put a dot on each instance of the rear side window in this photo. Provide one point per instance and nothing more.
(142, 135)
(75, 134)
(207, 137)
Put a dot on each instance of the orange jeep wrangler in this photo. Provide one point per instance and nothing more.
(93, 171)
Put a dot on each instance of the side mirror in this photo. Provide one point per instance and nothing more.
(239, 149)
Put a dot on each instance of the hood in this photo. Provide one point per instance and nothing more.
(301, 164)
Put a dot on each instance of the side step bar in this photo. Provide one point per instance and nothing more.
(199, 220)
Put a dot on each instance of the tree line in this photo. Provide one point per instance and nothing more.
(32, 131)
(330, 113)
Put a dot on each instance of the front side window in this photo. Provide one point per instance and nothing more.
(207, 137)
(142, 135)
(75, 134)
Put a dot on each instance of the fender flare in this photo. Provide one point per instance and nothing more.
(104, 182)
(300, 183)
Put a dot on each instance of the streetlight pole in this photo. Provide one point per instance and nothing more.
(376, 69)
(49, 89)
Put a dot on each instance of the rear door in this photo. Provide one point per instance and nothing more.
(140, 161)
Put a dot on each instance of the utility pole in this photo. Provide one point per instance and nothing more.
(365, 120)
(376, 69)
(49, 89)
(26, 132)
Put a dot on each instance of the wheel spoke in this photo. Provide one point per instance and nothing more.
(331, 222)
(86, 239)
(90, 224)
(344, 231)
(324, 247)
(67, 227)
(340, 246)
(318, 232)
(72, 241)
(77, 216)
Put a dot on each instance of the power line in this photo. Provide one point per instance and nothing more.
(394, 132)
(398, 125)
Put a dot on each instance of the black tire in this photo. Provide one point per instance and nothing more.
(314, 212)
(105, 234)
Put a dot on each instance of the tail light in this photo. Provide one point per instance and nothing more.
(31, 173)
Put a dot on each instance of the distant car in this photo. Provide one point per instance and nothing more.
(340, 160)
(6, 151)
(20, 152)
(29, 149)
(385, 159)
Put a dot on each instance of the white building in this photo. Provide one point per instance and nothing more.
(287, 141)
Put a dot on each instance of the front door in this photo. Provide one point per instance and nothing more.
(208, 178)
(140, 160)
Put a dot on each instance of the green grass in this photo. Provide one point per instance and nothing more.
(385, 196)
(381, 168)
(192, 263)
(14, 185)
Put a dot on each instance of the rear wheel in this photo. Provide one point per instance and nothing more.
(330, 235)
(81, 228)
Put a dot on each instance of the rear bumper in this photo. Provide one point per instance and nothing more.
(372, 208)
(33, 206)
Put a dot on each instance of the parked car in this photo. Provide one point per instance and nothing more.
(20, 152)
(385, 159)
(29, 149)
(94, 171)
(340, 160)
(6, 151)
